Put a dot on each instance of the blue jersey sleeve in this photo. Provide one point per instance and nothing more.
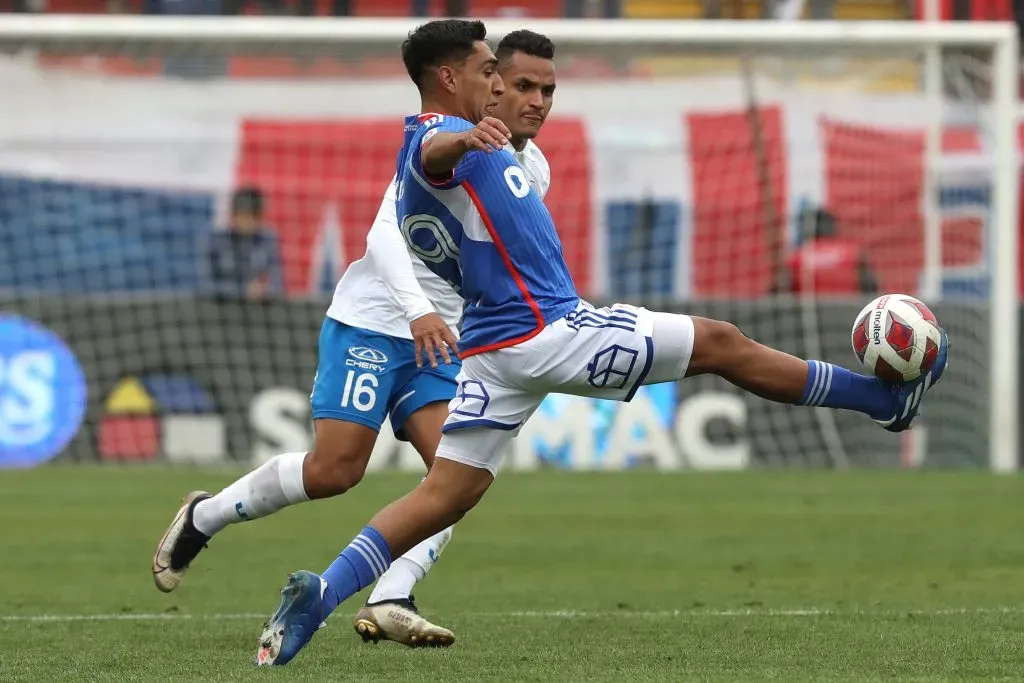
(430, 128)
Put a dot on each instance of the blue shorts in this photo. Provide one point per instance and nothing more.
(365, 376)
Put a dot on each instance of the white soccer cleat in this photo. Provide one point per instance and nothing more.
(179, 545)
(400, 621)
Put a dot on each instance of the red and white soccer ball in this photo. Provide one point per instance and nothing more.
(896, 337)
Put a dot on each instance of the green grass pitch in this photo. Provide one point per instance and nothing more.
(786, 576)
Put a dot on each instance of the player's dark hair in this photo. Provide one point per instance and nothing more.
(527, 42)
(248, 200)
(437, 42)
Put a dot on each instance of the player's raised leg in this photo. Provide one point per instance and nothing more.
(720, 348)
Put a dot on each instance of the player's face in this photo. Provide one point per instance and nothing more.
(529, 94)
(478, 85)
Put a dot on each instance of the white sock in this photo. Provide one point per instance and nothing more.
(274, 485)
(397, 582)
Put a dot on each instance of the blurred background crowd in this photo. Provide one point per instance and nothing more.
(610, 9)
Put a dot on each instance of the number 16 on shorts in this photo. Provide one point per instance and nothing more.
(360, 390)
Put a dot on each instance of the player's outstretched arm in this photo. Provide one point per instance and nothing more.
(442, 152)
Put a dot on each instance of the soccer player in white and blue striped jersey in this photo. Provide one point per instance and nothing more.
(467, 210)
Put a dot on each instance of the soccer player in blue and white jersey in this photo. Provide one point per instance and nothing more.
(466, 208)
(386, 309)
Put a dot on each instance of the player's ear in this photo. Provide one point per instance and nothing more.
(446, 78)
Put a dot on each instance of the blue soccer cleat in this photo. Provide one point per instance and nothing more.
(909, 395)
(295, 621)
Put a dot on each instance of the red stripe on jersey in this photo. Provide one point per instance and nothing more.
(515, 276)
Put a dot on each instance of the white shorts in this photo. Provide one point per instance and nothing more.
(595, 352)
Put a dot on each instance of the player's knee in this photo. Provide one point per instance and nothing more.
(456, 496)
(716, 346)
(467, 498)
(455, 503)
(331, 470)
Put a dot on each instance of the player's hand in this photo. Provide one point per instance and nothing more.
(488, 135)
(432, 336)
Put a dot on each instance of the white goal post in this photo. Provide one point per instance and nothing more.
(612, 40)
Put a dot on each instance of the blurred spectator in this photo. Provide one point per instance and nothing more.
(605, 9)
(784, 10)
(1018, 16)
(968, 10)
(182, 7)
(452, 8)
(23, 6)
(712, 9)
(244, 260)
(792, 10)
(826, 263)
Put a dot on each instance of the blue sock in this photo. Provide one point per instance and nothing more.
(831, 386)
(359, 565)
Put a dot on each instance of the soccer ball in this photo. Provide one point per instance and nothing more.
(896, 337)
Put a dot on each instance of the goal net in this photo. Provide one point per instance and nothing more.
(774, 175)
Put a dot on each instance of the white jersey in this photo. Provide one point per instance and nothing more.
(390, 286)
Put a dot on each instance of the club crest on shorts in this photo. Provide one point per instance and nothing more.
(611, 368)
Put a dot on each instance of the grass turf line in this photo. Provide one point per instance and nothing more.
(790, 576)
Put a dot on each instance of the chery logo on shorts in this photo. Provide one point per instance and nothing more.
(367, 354)
(367, 359)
